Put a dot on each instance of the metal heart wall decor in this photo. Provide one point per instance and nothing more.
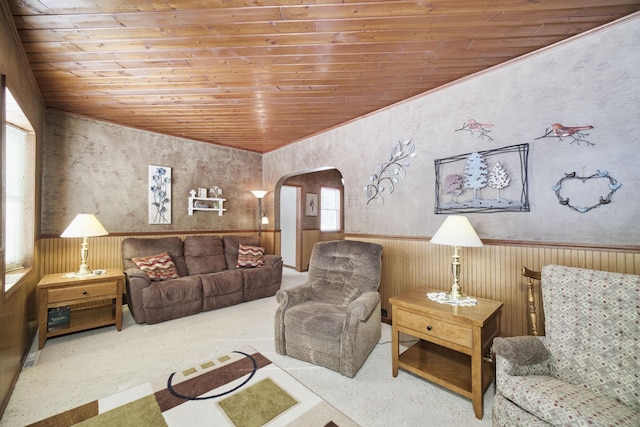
(582, 198)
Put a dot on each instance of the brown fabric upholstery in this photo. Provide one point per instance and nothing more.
(204, 254)
(264, 281)
(165, 302)
(206, 281)
(231, 244)
(222, 289)
(132, 247)
(333, 320)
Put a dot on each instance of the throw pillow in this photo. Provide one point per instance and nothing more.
(250, 256)
(157, 267)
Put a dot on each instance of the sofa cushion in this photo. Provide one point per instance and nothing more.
(221, 289)
(250, 256)
(157, 267)
(262, 282)
(232, 243)
(560, 403)
(138, 247)
(204, 254)
(172, 299)
(316, 319)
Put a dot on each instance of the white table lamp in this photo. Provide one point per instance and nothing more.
(84, 225)
(456, 231)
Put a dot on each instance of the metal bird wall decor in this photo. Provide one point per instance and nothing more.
(473, 126)
(575, 133)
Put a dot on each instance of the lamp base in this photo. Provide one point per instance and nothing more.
(83, 270)
(456, 295)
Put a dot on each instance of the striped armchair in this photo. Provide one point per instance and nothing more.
(586, 369)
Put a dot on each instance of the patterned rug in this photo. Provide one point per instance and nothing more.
(242, 388)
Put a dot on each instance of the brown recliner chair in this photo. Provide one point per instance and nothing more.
(334, 319)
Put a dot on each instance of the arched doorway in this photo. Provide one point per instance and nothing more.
(299, 227)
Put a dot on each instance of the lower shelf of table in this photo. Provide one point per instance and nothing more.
(444, 366)
(87, 318)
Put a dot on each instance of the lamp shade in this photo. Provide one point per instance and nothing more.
(456, 231)
(259, 193)
(84, 225)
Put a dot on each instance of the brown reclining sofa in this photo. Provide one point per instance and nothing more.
(207, 277)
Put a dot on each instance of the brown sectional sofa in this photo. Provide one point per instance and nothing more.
(208, 277)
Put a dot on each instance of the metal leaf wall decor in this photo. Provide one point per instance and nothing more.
(386, 175)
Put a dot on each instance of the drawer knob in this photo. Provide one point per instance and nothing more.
(84, 292)
(429, 328)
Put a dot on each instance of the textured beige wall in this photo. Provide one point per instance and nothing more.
(590, 80)
(96, 167)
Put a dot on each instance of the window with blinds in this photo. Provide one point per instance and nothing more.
(15, 190)
(18, 190)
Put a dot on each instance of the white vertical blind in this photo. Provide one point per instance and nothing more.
(15, 189)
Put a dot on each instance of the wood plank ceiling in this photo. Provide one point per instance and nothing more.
(260, 74)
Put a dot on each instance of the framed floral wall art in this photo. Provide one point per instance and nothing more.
(159, 195)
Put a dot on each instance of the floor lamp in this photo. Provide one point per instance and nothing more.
(260, 195)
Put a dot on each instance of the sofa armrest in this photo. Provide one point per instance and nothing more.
(362, 307)
(136, 280)
(272, 260)
(525, 350)
(136, 272)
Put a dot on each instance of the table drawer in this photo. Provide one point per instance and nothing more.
(435, 328)
(79, 292)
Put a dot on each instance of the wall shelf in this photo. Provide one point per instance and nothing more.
(214, 205)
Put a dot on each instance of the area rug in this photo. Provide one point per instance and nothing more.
(242, 388)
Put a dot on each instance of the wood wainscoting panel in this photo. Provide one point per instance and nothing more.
(60, 255)
(492, 271)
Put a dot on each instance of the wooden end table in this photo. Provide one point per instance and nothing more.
(93, 301)
(453, 340)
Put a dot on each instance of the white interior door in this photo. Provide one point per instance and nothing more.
(288, 226)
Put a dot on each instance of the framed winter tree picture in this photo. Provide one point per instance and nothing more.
(483, 181)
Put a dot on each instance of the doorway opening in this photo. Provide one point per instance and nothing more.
(299, 211)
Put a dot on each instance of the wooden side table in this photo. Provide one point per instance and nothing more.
(452, 342)
(93, 301)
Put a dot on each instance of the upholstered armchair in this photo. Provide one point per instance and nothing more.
(586, 369)
(333, 320)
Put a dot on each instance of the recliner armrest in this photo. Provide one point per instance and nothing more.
(524, 350)
(293, 296)
(363, 306)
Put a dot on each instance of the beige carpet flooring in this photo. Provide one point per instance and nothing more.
(77, 368)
